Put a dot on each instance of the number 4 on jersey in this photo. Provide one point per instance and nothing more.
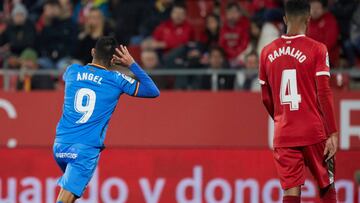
(288, 90)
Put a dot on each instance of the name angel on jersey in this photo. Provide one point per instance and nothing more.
(89, 76)
(289, 51)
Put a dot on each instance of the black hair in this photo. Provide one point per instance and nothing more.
(324, 3)
(233, 5)
(219, 49)
(252, 53)
(52, 3)
(179, 5)
(297, 8)
(104, 49)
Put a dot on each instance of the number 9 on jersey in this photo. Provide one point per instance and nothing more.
(86, 109)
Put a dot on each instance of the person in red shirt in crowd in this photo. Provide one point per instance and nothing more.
(172, 33)
(324, 28)
(234, 35)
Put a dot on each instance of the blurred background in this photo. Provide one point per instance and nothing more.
(207, 138)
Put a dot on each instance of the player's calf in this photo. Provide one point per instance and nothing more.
(328, 194)
(292, 195)
(66, 197)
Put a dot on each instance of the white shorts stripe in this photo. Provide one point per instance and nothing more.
(323, 73)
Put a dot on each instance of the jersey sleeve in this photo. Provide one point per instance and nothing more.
(322, 66)
(127, 84)
(65, 73)
(262, 71)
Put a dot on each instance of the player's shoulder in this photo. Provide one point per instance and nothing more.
(311, 42)
(122, 76)
(73, 67)
(271, 46)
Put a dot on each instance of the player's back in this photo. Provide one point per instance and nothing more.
(290, 65)
(91, 95)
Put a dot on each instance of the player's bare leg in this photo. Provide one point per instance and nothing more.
(65, 197)
(292, 195)
(328, 194)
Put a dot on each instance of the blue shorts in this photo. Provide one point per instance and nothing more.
(78, 163)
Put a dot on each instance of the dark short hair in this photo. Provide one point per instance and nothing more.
(218, 49)
(181, 5)
(324, 3)
(297, 8)
(105, 49)
(252, 53)
(232, 5)
(52, 3)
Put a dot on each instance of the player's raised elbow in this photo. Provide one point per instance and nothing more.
(156, 92)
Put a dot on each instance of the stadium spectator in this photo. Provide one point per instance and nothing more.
(26, 81)
(259, 5)
(210, 37)
(172, 33)
(150, 61)
(58, 37)
(6, 7)
(255, 31)
(159, 12)
(186, 57)
(94, 28)
(343, 11)
(217, 60)
(20, 33)
(64, 11)
(83, 7)
(272, 28)
(128, 15)
(323, 28)
(66, 8)
(352, 44)
(249, 80)
(234, 35)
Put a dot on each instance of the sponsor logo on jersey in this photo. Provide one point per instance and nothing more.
(327, 60)
(129, 79)
(66, 155)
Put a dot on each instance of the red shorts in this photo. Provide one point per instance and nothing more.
(291, 161)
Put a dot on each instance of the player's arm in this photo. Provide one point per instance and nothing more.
(325, 98)
(267, 99)
(323, 90)
(145, 87)
(265, 89)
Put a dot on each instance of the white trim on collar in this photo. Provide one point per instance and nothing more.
(292, 37)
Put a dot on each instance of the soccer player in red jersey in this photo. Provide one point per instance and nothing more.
(294, 77)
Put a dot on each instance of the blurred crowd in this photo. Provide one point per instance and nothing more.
(168, 34)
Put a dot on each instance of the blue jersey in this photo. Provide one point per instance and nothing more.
(91, 95)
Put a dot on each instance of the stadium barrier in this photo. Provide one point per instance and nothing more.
(214, 73)
(29, 175)
(183, 147)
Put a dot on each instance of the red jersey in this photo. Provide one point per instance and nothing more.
(325, 30)
(234, 40)
(289, 67)
(173, 35)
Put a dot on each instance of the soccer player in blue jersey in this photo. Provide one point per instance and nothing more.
(91, 95)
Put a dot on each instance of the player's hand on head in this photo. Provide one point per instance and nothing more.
(331, 146)
(123, 56)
